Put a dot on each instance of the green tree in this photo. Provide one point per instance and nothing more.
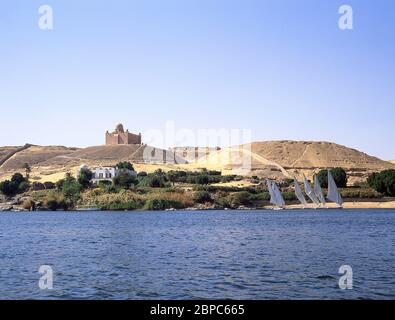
(71, 189)
(27, 168)
(383, 182)
(17, 184)
(202, 197)
(85, 177)
(172, 176)
(159, 173)
(339, 175)
(8, 188)
(18, 178)
(202, 179)
(142, 174)
(124, 180)
(125, 165)
(156, 182)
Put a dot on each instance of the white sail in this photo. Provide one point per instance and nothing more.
(271, 192)
(333, 192)
(277, 193)
(299, 193)
(310, 192)
(318, 190)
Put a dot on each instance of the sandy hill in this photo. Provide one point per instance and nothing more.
(304, 154)
(308, 157)
(276, 159)
(50, 163)
(392, 161)
(279, 159)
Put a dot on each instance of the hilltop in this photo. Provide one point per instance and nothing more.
(50, 163)
(276, 159)
(307, 156)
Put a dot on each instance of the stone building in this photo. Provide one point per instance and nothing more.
(120, 136)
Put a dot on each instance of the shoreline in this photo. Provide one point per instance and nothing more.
(348, 205)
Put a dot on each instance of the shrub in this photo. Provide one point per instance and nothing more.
(37, 186)
(29, 204)
(360, 193)
(23, 186)
(263, 196)
(224, 201)
(121, 200)
(214, 173)
(202, 197)
(288, 196)
(54, 201)
(240, 198)
(172, 176)
(228, 178)
(104, 183)
(162, 204)
(124, 180)
(214, 179)
(152, 181)
(121, 206)
(142, 174)
(49, 185)
(202, 179)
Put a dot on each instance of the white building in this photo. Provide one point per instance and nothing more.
(103, 173)
(106, 173)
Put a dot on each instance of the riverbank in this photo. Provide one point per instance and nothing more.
(206, 190)
(354, 205)
(9, 207)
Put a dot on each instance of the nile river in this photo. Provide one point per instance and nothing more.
(198, 255)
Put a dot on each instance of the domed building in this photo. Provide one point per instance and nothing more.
(120, 136)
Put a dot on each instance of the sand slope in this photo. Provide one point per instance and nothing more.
(50, 163)
(283, 159)
(275, 159)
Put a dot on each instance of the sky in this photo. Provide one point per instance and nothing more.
(282, 69)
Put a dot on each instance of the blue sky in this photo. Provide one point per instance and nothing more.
(281, 68)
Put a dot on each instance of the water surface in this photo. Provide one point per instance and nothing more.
(198, 255)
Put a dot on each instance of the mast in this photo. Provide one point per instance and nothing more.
(333, 192)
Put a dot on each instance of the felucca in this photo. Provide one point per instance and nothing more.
(333, 192)
(299, 193)
(318, 191)
(310, 193)
(276, 199)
